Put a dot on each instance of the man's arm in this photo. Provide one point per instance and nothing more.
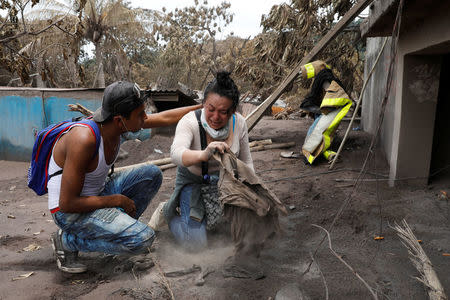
(168, 117)
(79, 146)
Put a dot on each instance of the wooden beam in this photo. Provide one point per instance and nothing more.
(256, 115)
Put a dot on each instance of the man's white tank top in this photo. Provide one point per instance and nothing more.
(94, 181)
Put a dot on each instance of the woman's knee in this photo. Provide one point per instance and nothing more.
(190, 235)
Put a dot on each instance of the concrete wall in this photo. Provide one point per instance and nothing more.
(408, 127)
(375, 92)
(25, 111)
(420, 51)
(414, 126)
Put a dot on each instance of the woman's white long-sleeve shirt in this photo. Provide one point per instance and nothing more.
(187, 136)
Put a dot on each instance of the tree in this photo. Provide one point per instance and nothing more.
(189, 48)
(289, 33)
(112, 27)
(20, 38)
(128, 43)
(106, 23)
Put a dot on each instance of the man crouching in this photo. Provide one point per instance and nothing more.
(93, 211)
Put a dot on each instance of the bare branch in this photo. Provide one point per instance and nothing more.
(321, 275)
(22, 8)
(5, 21)
(67, 32)
(47, 48)
(163, 277)
(17, 52)
(8, 39)
(277, 63)
(243, 45)
(374, 295)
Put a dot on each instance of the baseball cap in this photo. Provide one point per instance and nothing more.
(116, 97)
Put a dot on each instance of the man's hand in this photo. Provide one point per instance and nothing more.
(127, 205)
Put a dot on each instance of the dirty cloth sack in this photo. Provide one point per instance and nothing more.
(250, 207)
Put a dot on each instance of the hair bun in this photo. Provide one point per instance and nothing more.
(224, 80)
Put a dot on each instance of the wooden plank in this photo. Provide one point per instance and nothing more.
(272, 146)
(256, 115)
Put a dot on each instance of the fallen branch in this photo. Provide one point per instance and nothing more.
(374, 295)
(272, 146)
(201, 277)
(321, 275)
(421, 261)
(183, 272)
(344, 185)
(168, 166)
(80, 108)
(260, 142)
(163, 277)
(161, 161)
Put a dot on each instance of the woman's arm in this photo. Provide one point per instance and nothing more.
(244, 148)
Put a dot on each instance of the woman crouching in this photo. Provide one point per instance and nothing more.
(225, 130)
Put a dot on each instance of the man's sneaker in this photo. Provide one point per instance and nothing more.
(66, 260)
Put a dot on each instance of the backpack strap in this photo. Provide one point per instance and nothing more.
(95, 130)
(205, 174)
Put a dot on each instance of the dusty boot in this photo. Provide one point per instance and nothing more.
(157, 221)
(67, 261)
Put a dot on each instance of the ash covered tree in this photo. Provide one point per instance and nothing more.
(187, 36)
(290, 31)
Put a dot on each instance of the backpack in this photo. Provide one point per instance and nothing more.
(38, 176)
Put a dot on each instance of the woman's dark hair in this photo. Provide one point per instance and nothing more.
(224, 86)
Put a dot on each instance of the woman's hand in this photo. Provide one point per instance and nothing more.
(212, 148)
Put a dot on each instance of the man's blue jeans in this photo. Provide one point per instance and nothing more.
(110, 230)
(188, 232)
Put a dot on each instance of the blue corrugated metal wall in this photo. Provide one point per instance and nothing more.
(22, 115)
